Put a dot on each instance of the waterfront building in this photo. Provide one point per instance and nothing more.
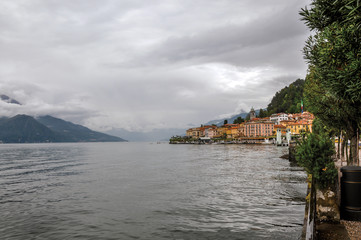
(283, 129)
(278, 117)
(286, 123)
(259, 128)
(299, 127)
(302, 116)
(189, 132)
(221, 132)
(210, 131)
(232, 131)
(194, 132)
(241, 130)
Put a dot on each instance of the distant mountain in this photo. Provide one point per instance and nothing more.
(8, 99)
(26, 129)
(75, 133)
(22, 129)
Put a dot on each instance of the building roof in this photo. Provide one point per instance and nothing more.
(278, 114)
(302, 122)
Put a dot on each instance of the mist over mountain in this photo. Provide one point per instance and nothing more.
(7, 99)
(220, 122)
(151, 136)
(23, 128)
(26, 129)
(70, 132)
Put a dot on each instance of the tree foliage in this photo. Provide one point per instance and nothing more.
(238, 120)
(314, 153)
(288, 99)
(334, 57)
(262, 113)
(328, 109)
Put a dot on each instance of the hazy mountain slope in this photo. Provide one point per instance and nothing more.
(68, 131)
(152, 136)
(220, 122)
(24, 129)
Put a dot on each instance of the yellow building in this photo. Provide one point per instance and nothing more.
(299, 127)
(232, 131)
(194, 132)
(241, 128)
(189, 132)
(221, 132)
(281, 127)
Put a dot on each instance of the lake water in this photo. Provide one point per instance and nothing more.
(149, 191)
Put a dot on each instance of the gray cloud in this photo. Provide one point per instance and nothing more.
(145, 64)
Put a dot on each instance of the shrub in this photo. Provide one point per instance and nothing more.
(314, 153)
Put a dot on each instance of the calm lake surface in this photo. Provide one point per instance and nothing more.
(149, 191)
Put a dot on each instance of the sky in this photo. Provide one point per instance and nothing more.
(146, 64)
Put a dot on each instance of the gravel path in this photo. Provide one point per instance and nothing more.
(353, 229)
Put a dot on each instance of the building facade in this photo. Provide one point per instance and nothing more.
(278, 117)
(258, 128)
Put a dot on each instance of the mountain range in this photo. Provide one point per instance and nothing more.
(27, 129)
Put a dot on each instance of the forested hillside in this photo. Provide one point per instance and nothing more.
(287, 100)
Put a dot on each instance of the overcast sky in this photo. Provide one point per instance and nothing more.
(144, 64)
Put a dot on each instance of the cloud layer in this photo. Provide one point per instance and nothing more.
(141, 65)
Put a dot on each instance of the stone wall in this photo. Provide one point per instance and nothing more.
(327, 207)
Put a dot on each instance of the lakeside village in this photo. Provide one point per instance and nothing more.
(278, 129)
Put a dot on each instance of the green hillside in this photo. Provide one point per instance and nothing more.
(288, 99)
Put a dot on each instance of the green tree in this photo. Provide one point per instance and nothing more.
(329, 110)
(225, 122)
(262, 113)
(334, 57)
(314, 153)
(238, 120)
(287, 99)
(248, 117)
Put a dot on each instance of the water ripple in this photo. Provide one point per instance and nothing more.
(144, 191)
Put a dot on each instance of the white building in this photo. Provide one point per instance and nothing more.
(278, 117)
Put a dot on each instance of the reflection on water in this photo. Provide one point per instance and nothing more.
(149, 191)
